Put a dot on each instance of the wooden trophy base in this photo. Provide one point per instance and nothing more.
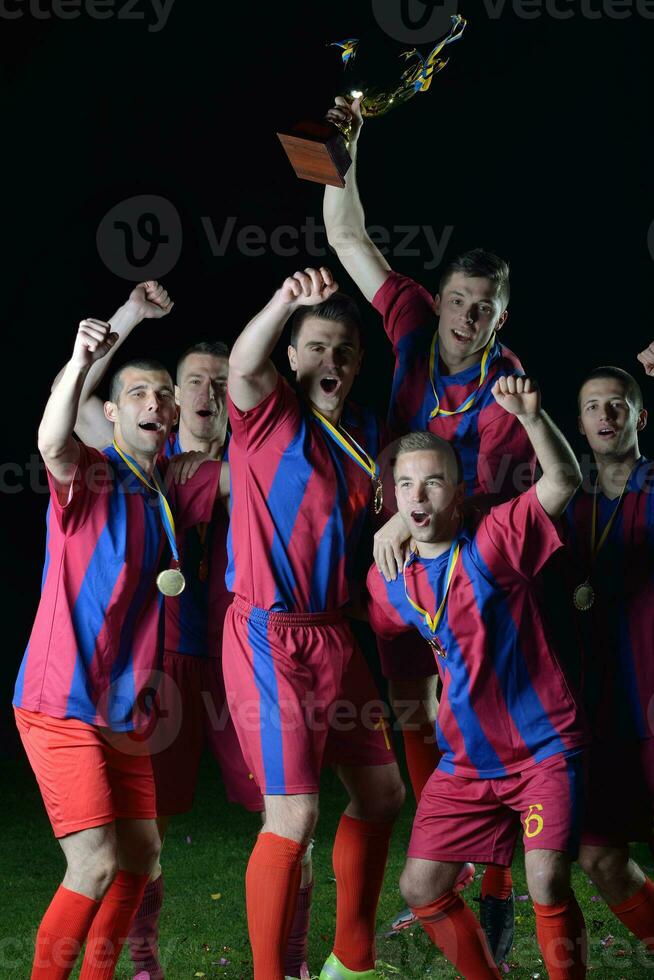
(317, 152)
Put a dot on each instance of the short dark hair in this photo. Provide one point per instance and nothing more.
(415, 442)
(340, 308)
(140, 364)
(215, 348)
(633, 390)
(480, 264)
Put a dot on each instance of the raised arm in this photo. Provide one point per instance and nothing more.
(252, 375)
(57, 446)
(345, 220)
(560, 470)
(149, 300)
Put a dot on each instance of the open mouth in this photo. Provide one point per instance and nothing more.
(606, 432)
(204, 413)
(329, 385)
(420, 518)
(151, 426)
(462, 336)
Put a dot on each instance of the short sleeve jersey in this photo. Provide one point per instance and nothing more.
(495, 451)
(506, 704)
(194, 619)
(98, 632)
(617, 633)
(299, 504)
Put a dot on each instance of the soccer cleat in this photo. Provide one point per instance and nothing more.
(334, 970)
(406, 918)
(497, 917)
(304, 974)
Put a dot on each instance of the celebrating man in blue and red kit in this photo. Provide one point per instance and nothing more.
(610, 563)
(191, 700)
(508, 726)
(304, 478)
(85, 686)
(447, 358)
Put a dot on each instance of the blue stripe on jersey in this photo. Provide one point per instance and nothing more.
(285, 498)
(123, 692)
(479, 750)
(272, 747)
(331, 547)
(527, 711)
(89, 612)
(445, 748)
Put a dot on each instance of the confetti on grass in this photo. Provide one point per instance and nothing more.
(216, 896)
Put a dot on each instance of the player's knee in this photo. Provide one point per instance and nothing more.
(92, 873)
(390, 800)
(548, 877)
(602, 864)
(417, 890)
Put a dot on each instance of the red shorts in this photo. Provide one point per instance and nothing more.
(461, 819)
(192, 709)
(88, 776)
(301, 695)
(620, 794)
(407, 657)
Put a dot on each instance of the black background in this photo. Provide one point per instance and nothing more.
(533, 142)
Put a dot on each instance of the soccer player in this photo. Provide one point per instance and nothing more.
(304, 476)
(508, 725)
(191, 700)
(447, 358)
(610, 558)
(85, 685)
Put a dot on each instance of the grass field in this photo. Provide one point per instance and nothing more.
(203, 928)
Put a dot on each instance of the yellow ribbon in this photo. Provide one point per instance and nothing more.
(166, 513)
(470, 400)
(432, 622)
(355, 452)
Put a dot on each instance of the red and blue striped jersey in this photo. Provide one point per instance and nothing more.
(495, 451)
(299, 504)
(506, 704)
(616, 634)
(194, 619)
(98, 632)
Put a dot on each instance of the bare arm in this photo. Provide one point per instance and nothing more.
(561, 474)
(344, 217)
(148, 300)
(252, 375)
(57, 446)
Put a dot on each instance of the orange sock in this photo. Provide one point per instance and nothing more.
(61, 934)
(272, 882)
(561, 933)
(497, 881)
(422, 756)
(360, 853)
(451, 925)
(637, 914)
(111, 925)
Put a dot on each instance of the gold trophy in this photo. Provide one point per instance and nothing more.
(318, 150)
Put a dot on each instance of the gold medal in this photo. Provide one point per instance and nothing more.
(379, 497)
(583, 596)
(171, 582)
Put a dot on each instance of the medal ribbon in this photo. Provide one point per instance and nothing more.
(355, 452)
(432, 622)
(167, 518)
(470, 400)
(595, 547)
